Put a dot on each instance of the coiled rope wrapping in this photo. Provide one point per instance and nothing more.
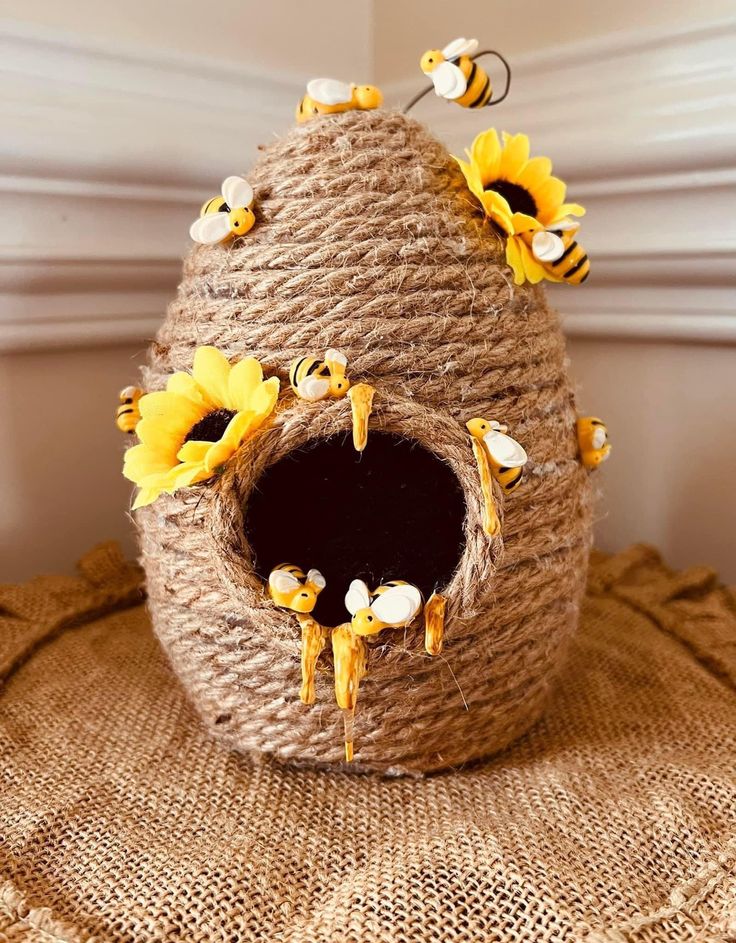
(368, 241)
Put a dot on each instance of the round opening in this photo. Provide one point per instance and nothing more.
(395, 511)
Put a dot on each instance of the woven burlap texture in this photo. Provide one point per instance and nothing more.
(612, 821)
(368, 240)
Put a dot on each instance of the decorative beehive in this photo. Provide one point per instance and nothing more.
(369, 241)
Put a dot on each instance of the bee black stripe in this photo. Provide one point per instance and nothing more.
(123, 412)
(469, 80)
(584, 276)
(313, 367)
(576, 268)
(479, 99)
(295, 369)
(567, 252)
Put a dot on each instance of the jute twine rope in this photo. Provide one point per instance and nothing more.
(367, 240)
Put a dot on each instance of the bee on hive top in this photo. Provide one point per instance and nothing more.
(328, 96)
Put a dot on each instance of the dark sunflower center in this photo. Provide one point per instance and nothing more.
(210, 427)
(517, 197)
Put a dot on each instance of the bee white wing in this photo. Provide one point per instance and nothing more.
(336, 356)
(209, 229)
(547, 246)
(315, 577)
(566, 224)
(449, 81)
(237, 192)
(357, 597)
(313, 388)
(460, 47)
(283, 582)
(504, 450)
(599, 437)
(329, 91)
(398, 605)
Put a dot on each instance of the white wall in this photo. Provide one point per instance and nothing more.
(119, 118)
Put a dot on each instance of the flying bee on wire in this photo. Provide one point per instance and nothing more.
(593, 441)
(559, 252)
(314, 380)
(225, 216)
(128, 414)
(458, 77)
(498, 457)
(329, 96)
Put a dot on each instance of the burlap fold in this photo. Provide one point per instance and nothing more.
(612, 821)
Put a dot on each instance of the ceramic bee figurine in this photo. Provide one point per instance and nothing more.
(226, 216)
(291, 588)
(393, 605)
(560, 253)
(128, 414)
(498, 456)
(457, 76)
(593, 441)
(328, 96)
(314, 380)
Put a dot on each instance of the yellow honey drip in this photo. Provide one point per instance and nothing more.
(491, 521)
(313, 642)
(361, 401)
(349, 653)
(434, 624)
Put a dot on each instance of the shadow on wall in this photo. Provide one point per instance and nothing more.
(61, 489)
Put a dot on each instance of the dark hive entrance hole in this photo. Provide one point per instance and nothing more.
(396, 511)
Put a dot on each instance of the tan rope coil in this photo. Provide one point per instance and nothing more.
(367, 240)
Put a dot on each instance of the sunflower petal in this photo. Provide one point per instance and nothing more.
(497, 209)
(514, 156)
(193, 451)
(145, 497)
(533, 271)
(184, 384)
(141, 461)
(211, 370)
(264, 398)
(570, 209)
(523, 223)
(549, 197)
(536, 171)
(244, 380)
(513, 257)
(485, 153)
(218, 454)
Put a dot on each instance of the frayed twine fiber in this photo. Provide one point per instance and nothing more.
(368, 240)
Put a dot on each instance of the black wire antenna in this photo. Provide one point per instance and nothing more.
(496, 101)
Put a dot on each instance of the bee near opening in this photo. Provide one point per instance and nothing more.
(395, 511)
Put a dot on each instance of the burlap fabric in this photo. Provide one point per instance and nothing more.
(611, 821)
(368, 240)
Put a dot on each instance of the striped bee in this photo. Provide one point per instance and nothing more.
(506, 457)
(328, 96)
(457, 76)
(560, 253)
(128, 415)
(291, 588)
(227, 215)
(314, 379)
(393, 605)
(593, 441)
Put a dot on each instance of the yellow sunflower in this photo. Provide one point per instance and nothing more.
(519, 195)
(193, 427)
